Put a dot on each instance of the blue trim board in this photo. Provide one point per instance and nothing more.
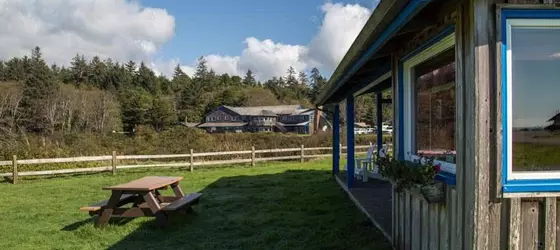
(446, 178)
(504, 104)
(350, 157)
(413, 7)
(445, 32)
(336, 139)
(529, 188)
(532, 185)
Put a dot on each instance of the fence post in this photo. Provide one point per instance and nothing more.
(192, 161)
(114, 162)
(253, 156)
(302, 154)
(15, 170)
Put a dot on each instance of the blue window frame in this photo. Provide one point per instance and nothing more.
(407, 98)
(530, 47)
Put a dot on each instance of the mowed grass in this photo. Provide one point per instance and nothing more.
(271, 206)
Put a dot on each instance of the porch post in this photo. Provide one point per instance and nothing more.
(379, 122)
(350, 160)
(336, 139)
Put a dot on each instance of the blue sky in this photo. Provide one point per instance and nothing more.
(536, 76)
(234, 36)
(221, 26)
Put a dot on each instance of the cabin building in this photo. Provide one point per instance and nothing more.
(280, 118)
(465, 76)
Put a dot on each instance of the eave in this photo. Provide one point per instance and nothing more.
(385, 22)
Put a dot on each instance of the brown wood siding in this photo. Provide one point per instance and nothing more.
(420, 225)
(475, 215)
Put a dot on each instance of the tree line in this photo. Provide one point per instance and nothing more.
(94, 95)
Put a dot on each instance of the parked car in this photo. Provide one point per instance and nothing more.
(360, 131)
(388, 129)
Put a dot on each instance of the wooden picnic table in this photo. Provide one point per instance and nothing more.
(145, 198)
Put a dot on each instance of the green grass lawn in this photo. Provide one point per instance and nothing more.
(271, 206)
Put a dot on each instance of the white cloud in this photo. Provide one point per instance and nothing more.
(223, 64)
(339, 27)
(125, 30)
(119, 29)
(267, 58)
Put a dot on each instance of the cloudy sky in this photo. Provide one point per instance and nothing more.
(264, 36)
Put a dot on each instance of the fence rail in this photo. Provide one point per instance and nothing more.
(189, 160)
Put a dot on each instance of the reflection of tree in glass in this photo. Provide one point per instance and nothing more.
(435, 103)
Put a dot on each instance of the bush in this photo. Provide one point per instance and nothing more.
(147, 141)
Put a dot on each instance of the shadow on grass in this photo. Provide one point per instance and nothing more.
(290, 210)
(114, 221)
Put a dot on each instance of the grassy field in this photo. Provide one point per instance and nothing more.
(271, 206)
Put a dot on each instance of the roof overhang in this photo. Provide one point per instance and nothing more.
(385, 22)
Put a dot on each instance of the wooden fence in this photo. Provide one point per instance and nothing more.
(188, 160)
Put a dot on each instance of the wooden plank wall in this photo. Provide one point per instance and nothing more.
(475, 216)
(533, 223)
(422, 226)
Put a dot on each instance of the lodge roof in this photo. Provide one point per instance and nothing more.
(269, 110)
(222, 124)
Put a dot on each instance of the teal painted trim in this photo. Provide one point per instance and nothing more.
(532, 185)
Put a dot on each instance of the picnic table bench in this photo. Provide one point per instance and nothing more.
(145, 199)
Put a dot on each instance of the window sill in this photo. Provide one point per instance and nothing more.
(531, 186)
(447, 178)
(443, 176)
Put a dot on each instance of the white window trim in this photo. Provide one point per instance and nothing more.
(534, 24)
(432, 51)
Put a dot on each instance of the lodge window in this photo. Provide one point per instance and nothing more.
(429, 112)
(434, 101)
(531, 100)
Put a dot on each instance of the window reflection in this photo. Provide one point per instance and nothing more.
(435, 107)
(535, 87)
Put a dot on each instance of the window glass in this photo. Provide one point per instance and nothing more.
(435, 100)
(535, 100)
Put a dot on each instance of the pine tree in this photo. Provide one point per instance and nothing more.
(302, 78)
(201, 69)
(146, 79)
(180, 79)
(249, 79)
(15, 69)
(96, 74)
(135, 104)
(79, 70)
(317, 83)
(162, 114)
(65, 75)
(55, 71)
(291, 77)
(164, 84)
(38, 89)
(130, 67)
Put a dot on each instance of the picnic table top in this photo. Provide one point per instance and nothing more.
(148, 183)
